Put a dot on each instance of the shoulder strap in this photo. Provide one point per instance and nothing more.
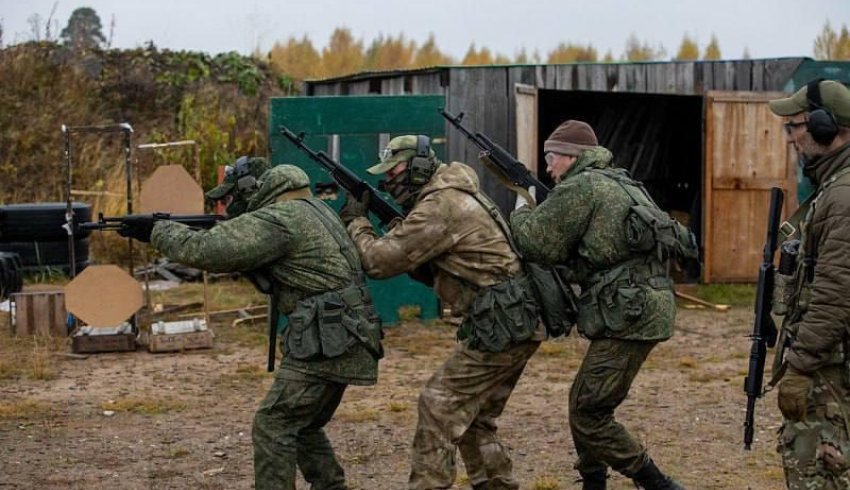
(633, 188)
(496, 214)
(334, 227)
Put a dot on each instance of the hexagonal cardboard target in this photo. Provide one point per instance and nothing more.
(170, 189)
(103, 296)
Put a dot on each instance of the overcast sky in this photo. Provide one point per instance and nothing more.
(766, 28)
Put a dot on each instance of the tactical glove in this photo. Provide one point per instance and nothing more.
(138, 227)
(354, 208)
(794, 390)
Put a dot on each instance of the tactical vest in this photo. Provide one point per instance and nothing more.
(614, 298)
(329, 324)
(509, 312)
(793, 284)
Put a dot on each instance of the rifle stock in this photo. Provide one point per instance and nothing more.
(764, 329)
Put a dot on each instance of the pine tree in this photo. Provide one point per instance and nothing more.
(83, 31)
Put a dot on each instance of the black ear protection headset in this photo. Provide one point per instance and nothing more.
(821, 122)
(422, 165)
(242, 171)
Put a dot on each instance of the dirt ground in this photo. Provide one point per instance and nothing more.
(184, 420)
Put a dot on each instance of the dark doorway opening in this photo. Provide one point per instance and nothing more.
(659, 138)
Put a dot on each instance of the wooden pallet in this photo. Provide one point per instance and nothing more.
(39, 312)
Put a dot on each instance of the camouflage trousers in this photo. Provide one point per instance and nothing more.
(815, 451)
(600, 386)
(458, 408)
(289, 431)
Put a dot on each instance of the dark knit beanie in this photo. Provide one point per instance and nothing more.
(571, 138)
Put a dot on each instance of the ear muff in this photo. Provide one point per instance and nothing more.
(821, 122)
(245, 181)
(421, 166)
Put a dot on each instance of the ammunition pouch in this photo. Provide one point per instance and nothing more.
(500, 315)
(555, 298)
(329, 324)
(648, 229)
(615, 299)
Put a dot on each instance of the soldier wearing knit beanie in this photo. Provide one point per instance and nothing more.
(565, 144)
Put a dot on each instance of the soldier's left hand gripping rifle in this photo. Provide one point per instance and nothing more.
(139, 226)
(347, 179)
(511, 171)
(764, 329)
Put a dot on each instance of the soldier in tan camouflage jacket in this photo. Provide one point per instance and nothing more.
(449, 235)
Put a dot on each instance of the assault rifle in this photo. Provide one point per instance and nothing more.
(505, 164)
(115, 223)
(347, 179)
(764, 329)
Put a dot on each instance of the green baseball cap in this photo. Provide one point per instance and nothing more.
(244, 166)
(399, 150)
(834, 96)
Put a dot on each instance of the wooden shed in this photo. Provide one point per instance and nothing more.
(699, 134)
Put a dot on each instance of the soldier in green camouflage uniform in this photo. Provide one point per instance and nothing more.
(814, 391)
(239, 184)
(626, 304)
(332, 338)
(450, 237)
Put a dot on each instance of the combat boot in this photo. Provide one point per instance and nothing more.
(649, 477)
(594, 481)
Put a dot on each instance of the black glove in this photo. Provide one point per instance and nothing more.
(354, 208)
(137, 226)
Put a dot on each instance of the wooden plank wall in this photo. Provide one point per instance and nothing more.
(487, 95)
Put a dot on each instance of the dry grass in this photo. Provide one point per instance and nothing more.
(545, 483)
(22, 409)
(30, 357)
(409, 313)
(688, 362)
(355, 415)
(397, 407)
(144, 405)
(179, 452)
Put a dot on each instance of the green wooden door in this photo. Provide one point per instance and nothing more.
(352, 130)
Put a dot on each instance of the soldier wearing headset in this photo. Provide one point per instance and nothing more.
(451, 237)
(814, 357)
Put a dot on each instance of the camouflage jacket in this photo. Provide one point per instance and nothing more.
(824, 328)
(287, 239)
(581, 225)
(448, 231)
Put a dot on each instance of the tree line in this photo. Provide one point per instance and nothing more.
(300, 59)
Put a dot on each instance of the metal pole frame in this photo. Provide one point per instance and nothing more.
(67, 131)
(197, 160)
